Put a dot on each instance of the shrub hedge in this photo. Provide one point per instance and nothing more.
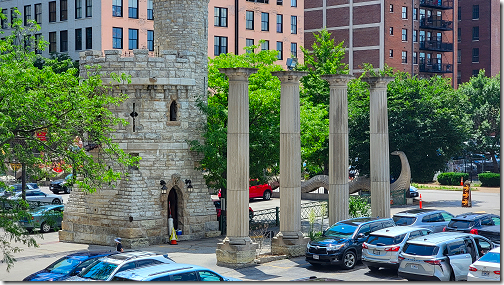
(451, 178)
(489, 179)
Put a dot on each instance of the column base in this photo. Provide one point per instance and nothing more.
(236, 252)
(289, 243)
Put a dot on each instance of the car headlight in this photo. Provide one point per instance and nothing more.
(308, 246)
(335, 247)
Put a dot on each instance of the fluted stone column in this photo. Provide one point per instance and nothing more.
(290, 240)
(237, 249)
(338, 147)
(379, 146)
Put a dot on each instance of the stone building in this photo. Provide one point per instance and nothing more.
(163, 117)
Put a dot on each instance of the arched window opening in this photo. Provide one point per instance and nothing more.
(173, 111)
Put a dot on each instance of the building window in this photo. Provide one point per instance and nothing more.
(13, 14)
(52, 11)
(133, 9)
(27, 14)
(459, 56)
(280, 2)
(249, 43)
(404, 35)
(220, 45)
(89, 38)
(173, 111)
(280, 50)
(415, 36)
(249, 18)
(293, 3)
(38, 38)
(220, 17)
(391, 8)
(294, 50)
(117, 8)
(89, 9)
(78, 9)
(78, 39)
(117, 38)
(63, 41)
(475, 72)
(475, 14)
(415, 14)
(391, 31)
(475, 55)
(259, 1)
(391, 53)
(404, 56)
(415, 59)
(459, 14)
(52, 42)
(279, 23)
(265, 45)
(63, 10)
(459, 34)
(429, 56)
(293, 24)
(133, 39)
(150, 10)
(475, 33)
(264, 21)
(38, 13)
(150, 40)
(404, 12)
(4, 21)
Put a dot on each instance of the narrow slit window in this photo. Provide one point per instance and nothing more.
(173, 111)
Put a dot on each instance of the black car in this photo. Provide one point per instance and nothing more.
(341, 244)
(491, 232)
(472, 222)
(67, 266)
(60, 185)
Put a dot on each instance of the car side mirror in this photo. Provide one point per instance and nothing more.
(360, 236)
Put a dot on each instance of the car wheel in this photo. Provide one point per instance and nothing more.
(55, 192)
(373, 268)
(56, 202)
(45, 227)
(267, 195)
(349, 260)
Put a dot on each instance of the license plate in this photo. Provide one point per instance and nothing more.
(413, 266)
(315, 256)
(377, 252)
(485, 273)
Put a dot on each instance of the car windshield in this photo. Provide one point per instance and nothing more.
(381, 240)
(493, 257)
(423, 250)
(64, 265)
(99, 270)
(340, 231)
(38, 210)
(403, 221)
(463, 224)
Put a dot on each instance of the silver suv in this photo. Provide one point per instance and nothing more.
(105, 268)
(444, 256)
(382, 247)
(432, 219)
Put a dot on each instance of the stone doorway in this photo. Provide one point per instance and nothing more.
(173, 207)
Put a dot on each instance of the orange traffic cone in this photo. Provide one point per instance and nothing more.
(461, 181)
(420, 201)
(173, 237)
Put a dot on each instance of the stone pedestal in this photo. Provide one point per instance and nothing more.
(379, 144)
(290, 239)
(237, 249)
(338, 147)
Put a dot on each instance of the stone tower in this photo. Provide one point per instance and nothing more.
(163, 117)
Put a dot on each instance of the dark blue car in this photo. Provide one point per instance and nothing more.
(341, 244)
(67, 266)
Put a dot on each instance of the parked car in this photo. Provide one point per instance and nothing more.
(13, 189)
(105, 268)
(171, 272)
(217, 204)
(487, 268)
(67, 266)
(441, 256)
(257, 190)
(492, 233)
(381, 249)
(341, 244)
(61, 185)
(413, 192)
(432, 219)
(39, 196)
(472, 222)
(45, 218)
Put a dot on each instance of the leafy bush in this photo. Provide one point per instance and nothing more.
(359, 207)
(451, 178)
(489, 179)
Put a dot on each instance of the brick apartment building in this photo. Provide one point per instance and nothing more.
(415, 36)
(478, 38)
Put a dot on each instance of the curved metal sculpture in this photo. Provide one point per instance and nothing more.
(363, 182)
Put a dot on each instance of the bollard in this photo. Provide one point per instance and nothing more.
(461, 181)
(420, 201)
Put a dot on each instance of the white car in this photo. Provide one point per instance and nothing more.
(487, 268)
(35, 196)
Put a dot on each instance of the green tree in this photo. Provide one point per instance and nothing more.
(484, 97)
(63, 106)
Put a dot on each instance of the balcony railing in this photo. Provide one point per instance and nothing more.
(436, 68)
(436, 46)
(429, 23)
(438, 4)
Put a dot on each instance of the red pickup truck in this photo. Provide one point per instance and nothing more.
(257, 190)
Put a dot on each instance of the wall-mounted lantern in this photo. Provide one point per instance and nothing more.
(189, 186)
(163, 186)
